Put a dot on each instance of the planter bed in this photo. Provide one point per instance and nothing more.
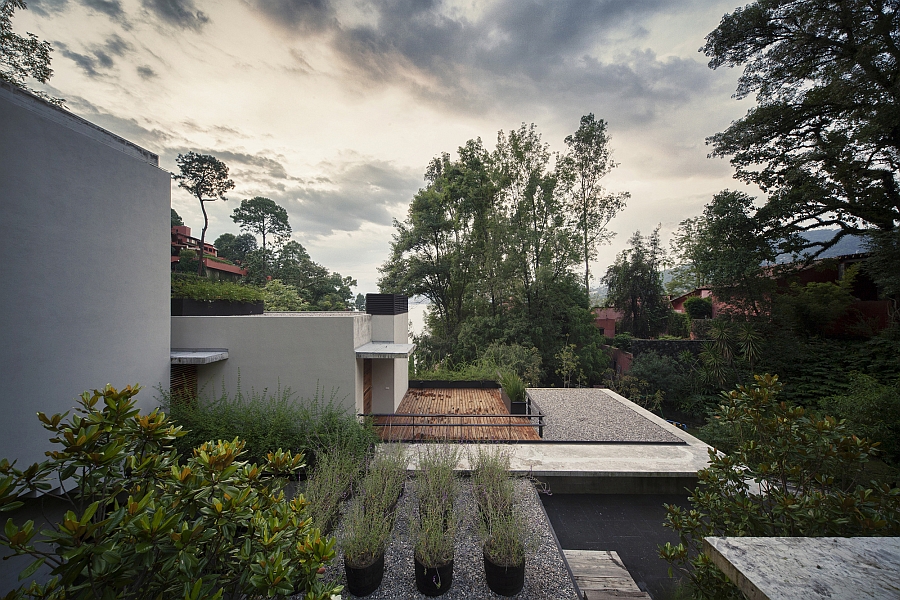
(186, 307)
(546, 575)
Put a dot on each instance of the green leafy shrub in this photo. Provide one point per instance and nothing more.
(871, 409)
(791, 474)
(698, 308)
(811, 308)
(268, 421)
(185, 285)
(144, 523)
(622, 341)
(279, 297)
(524, 361)
(663, 373)
(513, 385)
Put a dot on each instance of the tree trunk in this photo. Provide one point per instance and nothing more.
(201, 267)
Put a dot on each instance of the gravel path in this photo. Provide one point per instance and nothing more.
(589, 415)
(546, 575)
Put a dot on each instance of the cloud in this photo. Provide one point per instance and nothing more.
(151, 136)
(181, 13)
(87, 63)
(111, 8)
(100, 57)
(47, 7)
(302, 15)
(507, 56)
(146, 72)
(356, 193)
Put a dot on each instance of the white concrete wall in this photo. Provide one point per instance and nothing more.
(84, 236)
(297, 350)
(390, 377)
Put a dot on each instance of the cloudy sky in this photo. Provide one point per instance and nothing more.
(333, 108)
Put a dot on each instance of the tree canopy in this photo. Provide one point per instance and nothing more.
(235, 247)
(206, 178)
(588, 160)
(493, 241)
(176, 219)
(22, 58)
(262, 217)
(823, 139)
(635, 286)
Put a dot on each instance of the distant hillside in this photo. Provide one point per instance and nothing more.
(851, 244)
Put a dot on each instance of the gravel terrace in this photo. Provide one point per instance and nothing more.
(590, 415)
(546, 575)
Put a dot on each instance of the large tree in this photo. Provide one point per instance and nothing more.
(491, 243)
(824, 138)
(317, 286)
(263, 217)
(441, 248)
(206, 178)
(541, 244)
(635, 286)
(587, 161)
(23, 58)
(235, 247)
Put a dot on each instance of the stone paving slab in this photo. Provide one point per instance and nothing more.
(783, 568)
(595, 415)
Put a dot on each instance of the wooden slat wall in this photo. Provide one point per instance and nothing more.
(479, 401)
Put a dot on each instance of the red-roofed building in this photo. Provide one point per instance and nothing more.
(215, 267)
(605, 320)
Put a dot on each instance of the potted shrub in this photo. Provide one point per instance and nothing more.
(329, 485)
(434, 532)
(434, 527)
(514, 388)
(364, 540)
(385, 480)
(491, 484)
(505, 536)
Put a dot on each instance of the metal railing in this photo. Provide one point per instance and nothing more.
(417, 422)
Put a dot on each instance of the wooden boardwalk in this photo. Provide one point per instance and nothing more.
(431, 405)
(600, 575)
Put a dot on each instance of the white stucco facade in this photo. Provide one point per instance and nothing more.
(84, 233)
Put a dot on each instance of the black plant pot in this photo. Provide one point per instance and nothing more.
(365, 580)
(506, 581)
(433, 581)
(518, 408)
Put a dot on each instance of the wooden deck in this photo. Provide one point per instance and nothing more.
(432, 405)
(601, 575)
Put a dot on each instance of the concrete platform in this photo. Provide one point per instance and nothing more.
(783, 568)
(197, 356)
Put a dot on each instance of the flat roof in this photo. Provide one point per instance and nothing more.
(197, 356)
(597, 415)
(384, 350)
